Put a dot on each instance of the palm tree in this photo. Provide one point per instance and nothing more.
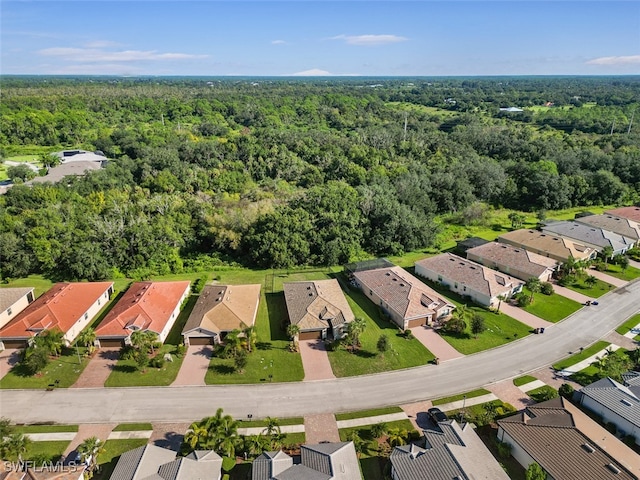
(197, 437)
(86, 338)
(607, 254)
(256, 444)
(90, 449)
(590, 281)
(534, 285)
(501, 298)
(379, 429)
(232, 343)
(358, 442)
(292, 331)
(51, 341)
(354, 330)
(143, 340)
(15, 446)
(397, 436)
(273, 426)
(250, 338)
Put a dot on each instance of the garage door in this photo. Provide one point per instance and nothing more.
(111, 343)
(417, 322)
(310, 335)
(12, 344)
(200, 340)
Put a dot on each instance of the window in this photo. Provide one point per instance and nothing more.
(456, 285)
(464, 288)
(439, 278)
(99, 302)
(86, 316)
(9, 311)
(370, 292)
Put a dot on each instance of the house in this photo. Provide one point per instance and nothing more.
(318, 308)
(152, 306)
(615, 403)
(566, 443)
(46, 471)
(68, 156)
(631, 213)
(597, 238)
(58, 173)
(468, 243)
(551, 246)
(511, 109)
(324, 461)
(514, 261)
(152, 462)
(620, 225)
(483, 285)
(69, 307)
(219, 310)
(408, 301)
(13, 301)
(451, 451)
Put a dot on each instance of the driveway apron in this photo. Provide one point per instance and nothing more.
(194, 366)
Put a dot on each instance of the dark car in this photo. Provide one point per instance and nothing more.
(437, 415)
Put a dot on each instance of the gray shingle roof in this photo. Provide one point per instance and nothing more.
(9, 296)
(141, 462)
(588, 234)
(618, 398)
(317, 305)
(619, 225)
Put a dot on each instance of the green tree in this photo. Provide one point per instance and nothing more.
(566, 391)
(590, 281)
(240, 360)
(516, 219)
(355, 328)
(90, 449)
(501, 298)
(250, 338)
(35, 359)
(477, 324)
(378, 429)
(534, 285)
(15, 446)
(535, 472)
(144, 340)
(607, 254)
(613, 365)
(272, 427)
(20, 173)
(397, 436)
(455, 324)
(232, 343)
(51, 341)
(292, 331)
(383, 344)
(358, 441)
(86, 338)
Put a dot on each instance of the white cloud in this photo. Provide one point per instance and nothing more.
(278, 42)
(101, 44)
(97, 55)
(621, 60)
(314, 72)
(369, 40)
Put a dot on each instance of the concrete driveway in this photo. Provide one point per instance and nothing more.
(194, 365)
(185, 404)
(99, 369)
(8, 358)
(315, 360)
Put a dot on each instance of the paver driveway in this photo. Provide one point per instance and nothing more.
(571, 294)
(616, 282)
(435, 343)
(194, 366)
(85, 431)
(315, 360)
(8, 358)
(321, 428)
(98, 369)
(524, 316)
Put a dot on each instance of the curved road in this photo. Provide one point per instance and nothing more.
(170, 404)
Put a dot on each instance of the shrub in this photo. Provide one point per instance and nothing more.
(181, 350)
(504, 449)
(199, 284)
(407, 334)
(546, 288)
(127, 352)
(566, 391)
(228, 463)
(523, 299)
(157, 361)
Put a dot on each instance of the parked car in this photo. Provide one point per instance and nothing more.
(437, 415)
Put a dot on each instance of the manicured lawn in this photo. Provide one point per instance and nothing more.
(477, 414)
(599, 288)
(578, 357)
(403, 353)
(51, 451)
(629, 325)
(126, 373)
(45, 428)
(294, 438)
(65, 369)
(374, 412)
(461, 396)
(38, 282)
(131, 427)
(551, 308)
(628, 274)
(518, 382)
(112, 450)
(263, 423)
(592, 372)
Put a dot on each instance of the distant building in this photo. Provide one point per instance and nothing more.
(73, 163)
(511, 109)
(620, 225)
(67, 156)
(595, 237)
(514, 261)
(551, 246)
(13, 301)
(632, 213)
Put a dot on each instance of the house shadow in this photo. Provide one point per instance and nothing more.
(264, 345)
(171, 441)
(277, 314)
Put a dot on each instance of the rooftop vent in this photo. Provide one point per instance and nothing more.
(626, 402)
(395, 279)
(517, 251)
(613, 468)
(588, 448)
(388, 274)
(402, 285)
(310, 294)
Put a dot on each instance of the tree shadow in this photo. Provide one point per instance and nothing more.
(264, 345)
(171, 441)
(222, 369)
(364, 354)
(125, 368)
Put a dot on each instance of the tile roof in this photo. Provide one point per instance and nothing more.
(505, 255)
(619, 225)
(407, 296)
(478, 277)
(568, 444)
(60, 307)
(58, 173)
(588, 234)
(450, 452)
(145, 305)
(223, 308)
(9, 296)
(620, 399)
(317, 304)
(554, 245)
(632, 213)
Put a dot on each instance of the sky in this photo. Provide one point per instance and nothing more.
(314, 38)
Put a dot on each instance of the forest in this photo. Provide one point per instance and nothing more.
(281, 172)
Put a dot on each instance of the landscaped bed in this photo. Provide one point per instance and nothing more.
(518, 382)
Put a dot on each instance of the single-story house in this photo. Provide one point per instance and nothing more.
(632, 213)
(451, 451)
(615, 403)
(67, 156)
(152, 462)
(35, 471)
(468, 278)
(13, 301)
(462, 246)
(594, 237)
(551, 246)
(620, 225)
(566, 443)
(152, 306)
(324, 461)
(69, 307)
(408, 301)
(58, 173)
(319, 308)
(514, 261)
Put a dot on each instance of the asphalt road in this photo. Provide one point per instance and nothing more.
(185, 404)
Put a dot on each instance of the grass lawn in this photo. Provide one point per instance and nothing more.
(599, 288)
(3, 172)
(456, 398)
(402, 353)
(374, 412)
(263, 423)
(126, 373)
(65, 369)
(578, 357)
(629, 325)
(45, 428)
(541, 393)
(132, 427)
(49, 451)
(112, 450)
(477, 414)
(38, 282)
(551, 308)
(592, 372)
(628, 274)
(518, 382)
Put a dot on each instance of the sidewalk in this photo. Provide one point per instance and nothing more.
(524, 316)
(634, 264)
(259, 430)
(457, 405)
(130, 434)
(435, 343)
(633, 333)
(586, 362)
(527, 387)
(359, 422)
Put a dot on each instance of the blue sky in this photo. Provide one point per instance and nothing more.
(320, 37)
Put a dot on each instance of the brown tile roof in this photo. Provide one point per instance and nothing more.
(146, 305)
(619, 225)
(555, 245)
(311, 305)
(477, 277)
(527, 262)
(632, 213)
(407, 296)
(60, 307)
(9, 296)
(223, 308)
(568, 444)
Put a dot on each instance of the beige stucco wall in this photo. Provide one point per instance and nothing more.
(16, 308)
